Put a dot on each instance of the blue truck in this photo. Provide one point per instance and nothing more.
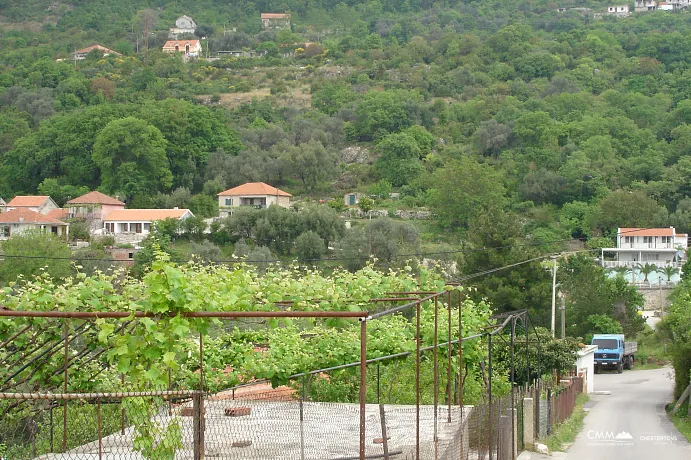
(613, 352)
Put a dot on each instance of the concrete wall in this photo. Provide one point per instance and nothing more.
(585, 364)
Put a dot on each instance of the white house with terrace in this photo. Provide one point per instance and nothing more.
(133, 225)
(663, 247)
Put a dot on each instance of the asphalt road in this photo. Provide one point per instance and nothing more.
(630, 423)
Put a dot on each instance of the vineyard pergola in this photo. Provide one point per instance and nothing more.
(156, 382)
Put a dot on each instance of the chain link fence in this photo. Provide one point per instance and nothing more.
(403, 406)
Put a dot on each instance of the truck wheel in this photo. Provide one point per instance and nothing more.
(597, 369)
(631, 360)
(627, 363)
(620, 368)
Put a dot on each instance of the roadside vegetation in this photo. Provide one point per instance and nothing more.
(565, 434)
(683, 423)
(652, 350)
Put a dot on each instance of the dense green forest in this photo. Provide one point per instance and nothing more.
(520, 127)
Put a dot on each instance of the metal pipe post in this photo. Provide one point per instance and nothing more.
(448, 355)
(417, 381)
(513, 392)
(100, 433)
(64, 407)
(489, 393)
(436, 375)
(384, 436)
(363, 384)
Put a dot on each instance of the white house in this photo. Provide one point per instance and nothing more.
(275, 20)
(20, 220)
(645, 5)
(188, 47)
(618, 10)
(41, 204)
(257, 194)
(183, 25)
(656, 246)
(133, 225)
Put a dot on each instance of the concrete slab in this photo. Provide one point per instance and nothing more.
(273, 430)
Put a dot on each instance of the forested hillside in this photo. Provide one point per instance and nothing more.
(517, 125)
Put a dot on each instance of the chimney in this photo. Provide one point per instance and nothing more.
(21, 219)
(176, 207)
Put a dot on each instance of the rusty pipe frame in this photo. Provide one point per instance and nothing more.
(186, 314)
(101, 396)
(20, 332)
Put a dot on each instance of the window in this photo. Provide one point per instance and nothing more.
(110, 227)
(147, 227)
(628, 239)
(606, 344)
(229, 202)
(137, 227)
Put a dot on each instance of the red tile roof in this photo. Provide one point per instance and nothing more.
(27, 216)
(646, 232)
(96, 197)
(60, 213)
(28, 201)
(97, 47)
(254, 188)
(275, 16)
(145, 215)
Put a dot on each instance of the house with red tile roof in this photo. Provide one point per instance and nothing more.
(189, 47)
(81, 54)
(663, 247)
(93, 206)
(22, 219)
(257, 194)
(275, 20)
(133, 225)
(42, 204)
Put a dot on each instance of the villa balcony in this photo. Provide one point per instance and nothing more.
(632, 264)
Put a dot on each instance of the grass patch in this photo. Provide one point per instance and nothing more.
(682, 420)
(652, 353)
(566, 432)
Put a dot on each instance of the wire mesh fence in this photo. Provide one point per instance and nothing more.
(407, 405)
(102, 426)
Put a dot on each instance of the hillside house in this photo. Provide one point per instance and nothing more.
(20, 220)
(275, 20)
(351, 199)
(42, 204)
(93, 205)
(257, 194)
(191, 48)
(645, 5)
(618, 10)
(103, 51)
(183, 25)
(656, 246)
(133, 225)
